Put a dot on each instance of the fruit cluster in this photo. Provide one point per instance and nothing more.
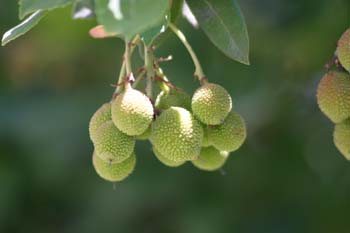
(333, 95)
(203, 130)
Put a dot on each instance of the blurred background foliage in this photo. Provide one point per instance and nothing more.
(287, 178)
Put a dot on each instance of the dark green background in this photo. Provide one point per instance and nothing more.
(287, 178)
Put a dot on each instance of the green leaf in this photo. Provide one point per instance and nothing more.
(23, 27)
(151, 34)
(128, 18)
(29, 6)
(224, 24)
(175, 13)
(83, 9)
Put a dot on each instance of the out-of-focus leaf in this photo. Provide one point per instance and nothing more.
(83, 9)
(151, 34)
(175, 13)
(187, 13)
(23, 27)
(28, 6)
(224, 24)
(99, 32)
(128, 18)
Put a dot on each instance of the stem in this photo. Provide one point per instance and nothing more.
(198, 73)
(163, 86)
(138, 78)
(122, 73)
(127, 59)
(149, 62)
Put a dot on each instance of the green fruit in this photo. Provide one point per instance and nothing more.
(210, 159)
(211, 103)
(145, 135)
(113, 145)
(230, 135)
(114, 171)
(206, 140)
(132, 112)
(173, 98)
(343, 50)
(177, 135)
(102, 115)
(342, 138)
(333, 96)
(165, 160)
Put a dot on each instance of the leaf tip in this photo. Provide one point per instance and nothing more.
(4, 39)
(99, 32)
(246, 61)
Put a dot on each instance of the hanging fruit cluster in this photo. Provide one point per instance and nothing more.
(203, 129)
(333, 95)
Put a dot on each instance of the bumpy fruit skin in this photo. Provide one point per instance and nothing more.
(132, 112)
(173, 98)
(165, 160)
(113, 145)
(145, 135)
(343, 50)
(206, 140)
(210, 159)
(333, 96)
(102, 115)
(177, 135)
(211, 103)
(230, 135)
(342, 138)
(114, 171)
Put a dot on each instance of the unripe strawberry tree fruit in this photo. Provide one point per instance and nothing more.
(333, 94)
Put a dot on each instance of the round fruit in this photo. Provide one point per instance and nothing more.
(132, 112)
(210, 159)
(114, 171)
(102, 115)
(211, 103)
(113, 145)
(173, 98)
(230, 135)
(165, 160)
(333, 96)
(342, 138)
(177, 135)
(343, 50)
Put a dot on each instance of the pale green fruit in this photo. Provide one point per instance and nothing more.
(211, 103)
(145, 135)
(230, 135)
(177, 135)
(165, 160)
(333, 96)
(114, 171)
(102, 115)
(342, 138)
(343, 50)
(173, 98)
(210, 159)
(132, 112)
(113, 145)
(206, 140)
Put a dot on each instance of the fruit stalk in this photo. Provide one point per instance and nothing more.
(162, 83)
(127, 58)
(198, 73)
(149, 62)
(138, 78)
(122, 72)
